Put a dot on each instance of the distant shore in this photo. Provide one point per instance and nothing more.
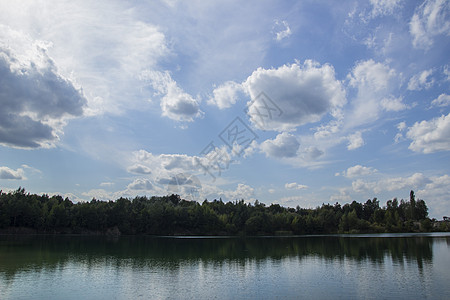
(25, 213)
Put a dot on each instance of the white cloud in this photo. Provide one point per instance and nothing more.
(165, 167)
(371, 75)
(311, 153)
(291, 201)
(327, 130)
(435, 193)
(393, 104)
(139, 169)
(430, 136)
(305, 157)
(141, 184)
(284, 145)
(186, 185)
(34, 170)
(107, 184)
(385, 7)
(442, 101)
(355, 141)
(250, 149)
(102, 194)
(342, 196)
(374, 83)
(282, 30)
(180, 106)
(242, 191)
(447, 72)
(357, 171)
(175, 103)
(178, 163)
(215, 58)
(225, 95)
(7, 173)
(431, 19)
(303, 93)
(36, 99)
(439, 183)
(108, 45)
(421, 81)
(399, 136)
(295, 186)
(401, 126)
(415, 181)
(361, 186)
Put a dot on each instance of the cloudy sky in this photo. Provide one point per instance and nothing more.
(289, 102)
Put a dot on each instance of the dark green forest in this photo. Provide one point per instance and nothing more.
(22, 212)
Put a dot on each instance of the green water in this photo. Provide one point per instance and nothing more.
(390, 266)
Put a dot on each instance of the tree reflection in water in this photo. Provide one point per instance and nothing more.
(26, 253)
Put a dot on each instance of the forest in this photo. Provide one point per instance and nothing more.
(22, 212)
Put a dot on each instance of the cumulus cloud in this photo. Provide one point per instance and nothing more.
(374, 82)
(430, 20)
(284, 145)
(421, 81)
(175, 103)
(108, 45)
(251, 148)
(415, 181)
(438, 183)
(225, 95)
(139, 169)
(375, 85)
(242, 191)
(302, 93)
(355, 141)
(401, 126)
(311, 153)
(141, 184)
(371, 75)
(436, 195)
(342, 196)
(430, 136)
(165, 167)
(327, 130)
(295, 186)
(393, 104)
(7, 173)
(161, 168)
(442, 101)
(358, 170)
(36, 99)
(169, 162)
(188, 186)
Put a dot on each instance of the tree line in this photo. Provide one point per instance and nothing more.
(171, 215)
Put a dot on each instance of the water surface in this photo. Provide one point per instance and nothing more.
(406, 266)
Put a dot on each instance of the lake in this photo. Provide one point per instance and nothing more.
(385, 266)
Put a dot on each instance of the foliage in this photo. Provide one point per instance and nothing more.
(171, 215)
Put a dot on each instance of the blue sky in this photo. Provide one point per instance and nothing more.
(289, 102)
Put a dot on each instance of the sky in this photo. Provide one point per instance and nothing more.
(287, 102)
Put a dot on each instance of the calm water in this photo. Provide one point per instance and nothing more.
(321, 267)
